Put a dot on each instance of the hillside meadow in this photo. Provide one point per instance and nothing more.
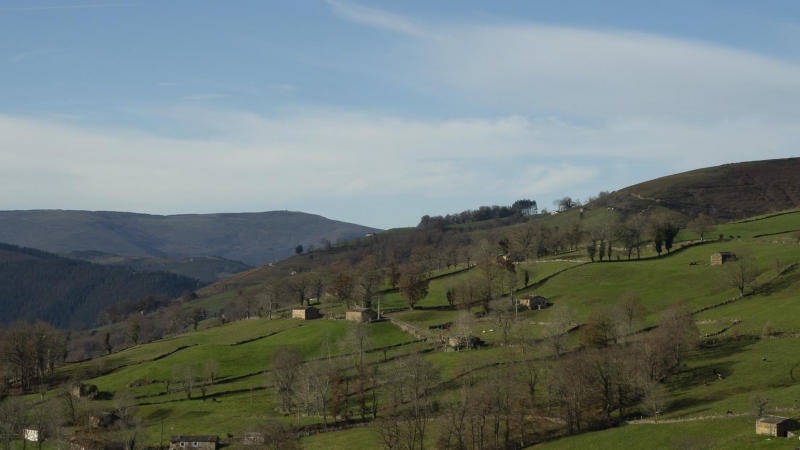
(243, 392)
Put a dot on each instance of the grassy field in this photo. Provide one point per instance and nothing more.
(242, 394)
(736, 433)
(660, 282)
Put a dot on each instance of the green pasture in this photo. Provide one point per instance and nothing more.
(240, 398)
(660, 282)
(696, 391)
(767, 225)
(726, 433)
(779, 304)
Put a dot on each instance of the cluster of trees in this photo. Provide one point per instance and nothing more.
(333, 389)
(534, 240)
(264, 301)
(123, 309)
(189, 377)
(364, 282)
(57, 416)
(70, 293)
(135, 328)
(522, 208)
(629, 236)
(494, 406)
(29, 353)
(589, 385)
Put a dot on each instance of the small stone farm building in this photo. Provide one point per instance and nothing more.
(534, 302)
(82, 440)
(305, 313)
(31, 434)
(361, 315)
(720, 258)
(253, 438)
(102, 420)
(81, 390)
(204, 442)
(776, 426)
(462, 342)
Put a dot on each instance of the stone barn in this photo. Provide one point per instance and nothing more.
(81, 390)
(464, 342)
(32, 434)
(102, 420)
(305, 313)
(776, 426)
(534, 302)
(254, 438)
(83, 440)
(720, 258)
(361, 315)
(204, 442)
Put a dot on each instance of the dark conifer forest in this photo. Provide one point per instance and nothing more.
(36, 285)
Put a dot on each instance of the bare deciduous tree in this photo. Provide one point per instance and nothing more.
(286, 363)
(273, 296)
(759, 403)
(130, 434)
(184, 375)
(298, 286)
(12, 417)
(561, 320)
(341, 287)
(272, 435)
(316, 285)
(703, 224)
(356, 341)
(502, 313)
(211, 369)
(124, 404)
(655, 400)
(462, 329)
(631, 312)
(418, 377)
(739, 274)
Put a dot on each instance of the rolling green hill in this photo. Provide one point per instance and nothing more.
(745, 345)
(243, 392)
(730, 191)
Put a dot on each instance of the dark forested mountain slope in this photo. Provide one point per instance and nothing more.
(207, 269)
(730, 191)
(253, 238)
(65, 292)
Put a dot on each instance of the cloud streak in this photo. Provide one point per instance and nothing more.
(376, 18)
(66, 7)
(340, 157)
(538, 69)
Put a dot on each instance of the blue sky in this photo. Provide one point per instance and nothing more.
(380, 112)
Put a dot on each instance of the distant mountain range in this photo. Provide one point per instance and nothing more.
(252, 238)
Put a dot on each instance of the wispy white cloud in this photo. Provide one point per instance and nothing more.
(538, 69)
(342, 157)
(205, 97)
(570, 107)
(58, 7)
(49, 53)
(587, 72)
(376, 18)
